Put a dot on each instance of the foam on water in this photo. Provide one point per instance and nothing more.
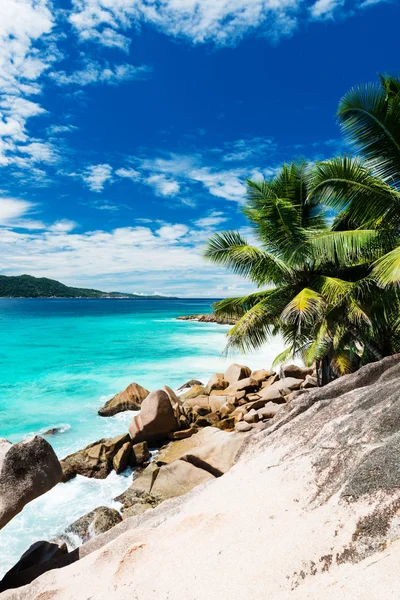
(60, 360)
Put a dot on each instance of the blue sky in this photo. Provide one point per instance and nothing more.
(128, 127)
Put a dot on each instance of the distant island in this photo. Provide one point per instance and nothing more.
(27, 286)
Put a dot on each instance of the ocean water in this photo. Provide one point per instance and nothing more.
(60, 360)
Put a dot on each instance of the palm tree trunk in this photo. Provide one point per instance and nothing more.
(326, 372)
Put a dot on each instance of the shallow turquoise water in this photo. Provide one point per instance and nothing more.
(60, 360)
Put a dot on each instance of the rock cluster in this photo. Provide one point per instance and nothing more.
(242, 399)
(179, 467)
(196, 433)
(208, 318)
(100, 458)
(311, 507)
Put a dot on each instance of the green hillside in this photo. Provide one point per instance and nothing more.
(27, 286)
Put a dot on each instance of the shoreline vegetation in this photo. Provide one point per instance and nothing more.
(328, 253)
(27, 286)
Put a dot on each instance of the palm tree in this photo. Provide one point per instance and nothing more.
(318, 303)
(365, 191)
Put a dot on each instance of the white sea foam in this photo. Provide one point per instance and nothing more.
(48, 516)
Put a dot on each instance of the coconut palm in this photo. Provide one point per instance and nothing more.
(365, 191)
(319, 304)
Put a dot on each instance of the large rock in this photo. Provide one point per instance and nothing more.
(97, 521)
(139, 454)
(178, 478)
(247, 385)
(235, 372)
(309, 511)
(217, 453)
(130, 399)
(297, 372)
(155, 420)
(189, 384)
(216, 382)
(135, 502)
(27, 470)
(261, 375)
(96, 460)
(37, 559)
(121, 459)
(195, 390)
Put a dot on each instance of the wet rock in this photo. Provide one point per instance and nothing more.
(121, 459)
(155, 420)
(139, 454)
(27, 470)
(97, 521)
(129, 399)
(40, 554)
(208, 318)
(96, 460)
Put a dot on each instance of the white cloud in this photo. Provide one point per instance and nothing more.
(12, 208)
(24, 57)
(169, 176)
(96, 176)
(246, 149)
(55, 129)
(62, 226)
(172, 233)
(163, 185)
(96, 73)
(167, 258)
(214, 218)
(325, 8)
(224, 22)
(132, 174)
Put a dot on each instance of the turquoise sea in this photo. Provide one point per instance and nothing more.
(60, 360)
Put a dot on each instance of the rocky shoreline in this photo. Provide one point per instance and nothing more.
(311, 503)
(208, 318)
(192, 435)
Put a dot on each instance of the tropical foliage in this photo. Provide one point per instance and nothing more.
(330, 286)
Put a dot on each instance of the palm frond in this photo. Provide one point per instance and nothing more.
(229, 249)
(387, 269)
(304, 308)
(369, 116)
(345, 247)
(283, 357)
(346, 184)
